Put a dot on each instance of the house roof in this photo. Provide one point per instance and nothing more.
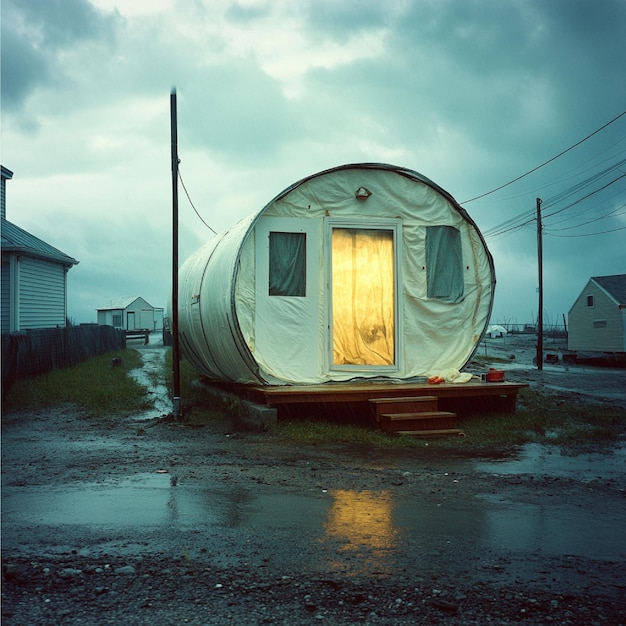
(18, 241)
(615, 286)
(121, 303)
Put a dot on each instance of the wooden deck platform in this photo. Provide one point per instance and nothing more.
(391, 406)
(364, 392)
(449, 395)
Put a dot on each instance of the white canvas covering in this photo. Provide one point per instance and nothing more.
(362, 271)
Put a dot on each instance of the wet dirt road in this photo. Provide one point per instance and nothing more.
(95, 511)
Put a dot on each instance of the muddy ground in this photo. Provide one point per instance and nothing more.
(143, 520)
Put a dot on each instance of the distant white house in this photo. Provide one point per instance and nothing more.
(597, 319)
(131, 313)
(34, 277)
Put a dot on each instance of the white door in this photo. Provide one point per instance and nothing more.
(289, 334)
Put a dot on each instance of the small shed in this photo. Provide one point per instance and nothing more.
(130, 313)
(597, 319)
(364, 271)
(34, 277)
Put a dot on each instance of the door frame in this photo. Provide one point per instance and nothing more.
(389, 224)
(293, 339)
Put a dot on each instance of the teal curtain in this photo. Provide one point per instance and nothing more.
(444, 263)
(287, 271)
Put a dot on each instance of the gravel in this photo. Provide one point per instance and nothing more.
(75, 574)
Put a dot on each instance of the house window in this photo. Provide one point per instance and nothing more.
(589, 300)
(444, 264)
(599, 323)
(287, 267)
(117, 320)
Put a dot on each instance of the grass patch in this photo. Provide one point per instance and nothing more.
(539, 418)
(94, 386)
(547, 420)
(315, 433)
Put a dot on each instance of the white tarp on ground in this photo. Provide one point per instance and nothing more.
(323, 285)
(495, 330)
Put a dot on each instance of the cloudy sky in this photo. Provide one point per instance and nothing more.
(472, 94)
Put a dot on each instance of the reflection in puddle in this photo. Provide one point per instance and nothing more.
(356, 532)
(360, 522)
(555, 529)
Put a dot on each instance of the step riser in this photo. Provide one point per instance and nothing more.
(398, 417)
(407, 407)
(428, 420)
(433, 433)
(403, 405)
(422, 424)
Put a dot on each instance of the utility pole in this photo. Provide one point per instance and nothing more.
(540, 266)
(174, 324)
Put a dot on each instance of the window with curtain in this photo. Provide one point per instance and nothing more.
(363, 295)
(444, 264)
(287, 264)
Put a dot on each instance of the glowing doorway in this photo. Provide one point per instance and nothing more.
(363, 293)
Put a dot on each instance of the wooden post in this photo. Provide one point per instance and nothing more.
(174, 325)
(540, 266)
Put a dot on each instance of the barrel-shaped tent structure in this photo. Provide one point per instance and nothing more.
(360, 272)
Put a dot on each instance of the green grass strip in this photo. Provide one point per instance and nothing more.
(94, 386)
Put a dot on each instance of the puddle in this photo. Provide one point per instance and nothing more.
(151, 376)
(358, 531)
(550, 461)
(556, 529)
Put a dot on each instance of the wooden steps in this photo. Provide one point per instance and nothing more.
(431, 433)
(414, 404)
(413, 416)
(429, 420)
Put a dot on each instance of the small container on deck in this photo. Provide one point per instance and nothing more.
(495, 376)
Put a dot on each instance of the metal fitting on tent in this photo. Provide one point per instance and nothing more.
(362, 193)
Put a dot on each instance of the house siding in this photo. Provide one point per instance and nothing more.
(5, 296)
(105, 318)
(586, 323)
(42, 295)
(146, 319)
(134, 314)
(3, 198)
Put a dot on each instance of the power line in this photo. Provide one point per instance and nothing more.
(580, 186)
(583, 212)
(528, 217)
(614, 213)
(192, 204)
(595, 191)
(595, 132)
(602, 232)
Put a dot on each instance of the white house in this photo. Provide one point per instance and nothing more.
(34, 277)
(130, 313)
(597, 319)
(362, 271)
